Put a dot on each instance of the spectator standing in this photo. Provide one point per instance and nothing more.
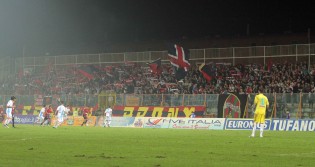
(193, 115)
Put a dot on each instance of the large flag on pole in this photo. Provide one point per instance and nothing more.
(206, 71)
(179, 57)
(156, 66)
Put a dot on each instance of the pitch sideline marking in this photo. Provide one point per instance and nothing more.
(297, 154)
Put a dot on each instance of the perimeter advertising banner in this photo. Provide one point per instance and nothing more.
(292, 125)
(184, 123)
(153, 111)
(244, 124)
(117, 121)
(75, 121)
(24, 119)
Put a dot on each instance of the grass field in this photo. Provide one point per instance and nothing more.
(34, 146)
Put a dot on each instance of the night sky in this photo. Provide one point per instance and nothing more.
(46, 25)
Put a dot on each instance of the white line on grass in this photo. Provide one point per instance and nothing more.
(297, 154)
(23, 139)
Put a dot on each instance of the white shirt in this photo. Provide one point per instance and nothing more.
(108, 112)
(10, 104)
(61, 109)
(42, 111)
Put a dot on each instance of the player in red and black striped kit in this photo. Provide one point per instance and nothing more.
(2, 113)
(85, 114)
(47, 113)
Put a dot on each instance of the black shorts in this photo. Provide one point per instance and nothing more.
(47, 117)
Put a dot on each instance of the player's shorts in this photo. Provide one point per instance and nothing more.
(85, 116)
(108, 118)
(39, 119)
(9, 113)
(60, 118)
(259, 118)
(47, 116)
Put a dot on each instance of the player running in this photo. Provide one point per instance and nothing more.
(2, 113)
(60, 114)
(108, 116)
(47, 113)
(66, 113)
(41, 116)
(85, 114)
(10, 108)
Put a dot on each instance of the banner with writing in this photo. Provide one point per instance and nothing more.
(116, 121)
(184, 123)
(153, 111)
(75, 121)
(293, 125)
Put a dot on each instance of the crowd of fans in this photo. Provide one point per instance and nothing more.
(285, 77)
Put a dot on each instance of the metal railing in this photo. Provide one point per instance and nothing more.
(298, 105)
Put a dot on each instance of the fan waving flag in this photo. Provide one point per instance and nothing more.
(206, 71)
(156, 66)
(180, 73)
(179, 57)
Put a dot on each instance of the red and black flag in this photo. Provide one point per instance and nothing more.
(86, 71)
(206, 71)
(156, 66)
(179, 57)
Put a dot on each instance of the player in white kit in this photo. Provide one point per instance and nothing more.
(108, 116)
(40, 117)
(60, 114)
(9, 110)
(67, 110)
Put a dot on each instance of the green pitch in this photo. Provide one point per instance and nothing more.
(32, 146)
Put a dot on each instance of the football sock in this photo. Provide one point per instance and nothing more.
(254, 129)
(261, 129)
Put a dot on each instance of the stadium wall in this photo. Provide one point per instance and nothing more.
(183, 123)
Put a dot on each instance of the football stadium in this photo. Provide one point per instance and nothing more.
(244, 100)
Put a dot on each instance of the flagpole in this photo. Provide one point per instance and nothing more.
(275, 106)
(246, 109)
(309, 47)
(23, 54)
(204, 56)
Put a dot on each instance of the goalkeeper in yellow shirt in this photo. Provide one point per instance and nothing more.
(261, 103)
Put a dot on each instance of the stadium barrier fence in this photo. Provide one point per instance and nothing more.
(282, 105)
